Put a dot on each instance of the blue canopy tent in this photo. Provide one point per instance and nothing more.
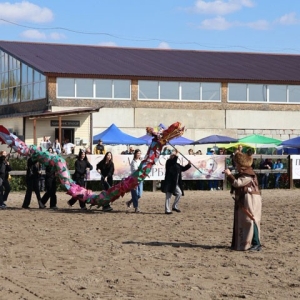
(180, 141)
(114, 136)
(214, 139)
(291, 146)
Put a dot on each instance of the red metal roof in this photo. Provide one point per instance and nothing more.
(99, 61)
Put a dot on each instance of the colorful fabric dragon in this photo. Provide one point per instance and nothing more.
(160, 138)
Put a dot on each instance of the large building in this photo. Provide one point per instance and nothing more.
(84, 89)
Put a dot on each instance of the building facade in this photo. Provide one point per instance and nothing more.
(88, 88)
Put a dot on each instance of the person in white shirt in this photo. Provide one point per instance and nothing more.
(68, 147)
(137, 192)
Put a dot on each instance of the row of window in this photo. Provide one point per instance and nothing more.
(93, 88)
(148, 90)
(176, 91)
(239, 92)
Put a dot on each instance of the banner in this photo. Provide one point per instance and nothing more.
(295, 166)
(209, 167)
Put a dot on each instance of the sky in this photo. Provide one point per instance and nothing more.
(268, 26)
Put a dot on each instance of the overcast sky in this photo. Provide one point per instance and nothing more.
(220, 25)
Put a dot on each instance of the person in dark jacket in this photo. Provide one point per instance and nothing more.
(82, 166)
(6, 184)
(32, 182)
(50, 184)
(2, 177)
(173, 182)
(106, 168)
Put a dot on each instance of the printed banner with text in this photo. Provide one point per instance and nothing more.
(208, 167)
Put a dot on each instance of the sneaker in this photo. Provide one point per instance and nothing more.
(54, 207)
(3, 206)
(107, 208)
(41, 205)
(137, 210)
(83, 208)
(128, 204)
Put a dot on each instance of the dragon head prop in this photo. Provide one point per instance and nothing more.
(165, 135)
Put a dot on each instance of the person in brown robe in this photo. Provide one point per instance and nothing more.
(248, 205)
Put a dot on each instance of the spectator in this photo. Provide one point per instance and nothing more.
(199, 152)
(166, 151)
(68, 147)
(213, 184)
(56, 146)
(45, 143)
(277, 166)
(88, 151)
(99, 148)
(191, 152)
(265, 165)
(131, 150)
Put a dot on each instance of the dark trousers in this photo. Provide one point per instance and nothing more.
(106, 185)
(7, 189)
(1, 194)
(50, 192)
(72, 201)
(32, 186)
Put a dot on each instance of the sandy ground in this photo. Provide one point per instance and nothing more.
(69, 254)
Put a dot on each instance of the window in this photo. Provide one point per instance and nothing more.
(271, 93)
(257, 92)
(211, 91)
(84, 88)
(190, 90)
(294, 93)
(237, 92)
(179, 91)
(65, 87)
(148, 89)
(103, 88)
(169, 90)
(121, 89)
(277, 93)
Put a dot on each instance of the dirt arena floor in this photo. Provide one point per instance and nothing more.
(70, 254)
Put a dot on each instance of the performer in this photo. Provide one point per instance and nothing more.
(173, 182)
(50, 185)
(82, 165)
(106, 168)
(248, 203)
(137, 192)
(6, 184)
(32, 182)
